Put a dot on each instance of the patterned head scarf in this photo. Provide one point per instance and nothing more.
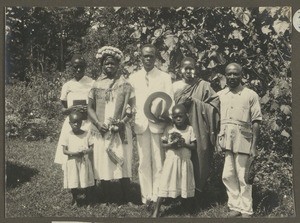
(109, 51)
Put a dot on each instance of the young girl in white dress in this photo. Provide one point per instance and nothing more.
(177, 178)
(74, 91)
(78, 170)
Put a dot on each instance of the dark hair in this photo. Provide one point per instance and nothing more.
(240, 68)
(105, 56)
(80, 59)
(181, 107)
(148, 45)
(188, 59)
(76, 115)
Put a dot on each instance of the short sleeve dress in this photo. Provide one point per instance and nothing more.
(72, 90)
(177, 178)
(78, 171)
(109, 97)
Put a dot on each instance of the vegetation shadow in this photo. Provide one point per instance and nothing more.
(18, 174)
(265, 202)
(115, 193)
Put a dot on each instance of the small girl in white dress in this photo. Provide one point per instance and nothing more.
(177, 177)
(78, 170)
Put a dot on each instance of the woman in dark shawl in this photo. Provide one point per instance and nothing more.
(202, 104)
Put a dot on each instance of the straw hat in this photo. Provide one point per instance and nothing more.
(157, 105)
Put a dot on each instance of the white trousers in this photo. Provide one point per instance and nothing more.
(239, 193)
(151, 157)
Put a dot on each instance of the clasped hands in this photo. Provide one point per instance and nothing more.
(103, 128)
(80, 153)
(80, 108)
(176, 143)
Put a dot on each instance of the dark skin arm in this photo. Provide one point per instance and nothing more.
(67, 111)
(167, 145)
(131, 103)
(93, 117)
(191, 146)
(255, 130)
(68, 153)
(88, 150)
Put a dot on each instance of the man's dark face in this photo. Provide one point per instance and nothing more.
(78, 69)
(233, 76)
(148, 58)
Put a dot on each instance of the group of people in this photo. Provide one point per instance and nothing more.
(177, 127)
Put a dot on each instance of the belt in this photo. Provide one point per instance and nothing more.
(236, 122)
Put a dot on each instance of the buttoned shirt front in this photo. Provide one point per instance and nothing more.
(157, 81)
(238, 111)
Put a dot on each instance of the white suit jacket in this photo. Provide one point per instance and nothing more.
(158, 81)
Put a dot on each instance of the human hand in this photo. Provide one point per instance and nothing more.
(80, 108)
(103, 128)
(187, 103)
(114, 128)
(181, 143)
(79, 154)
(161, 118)
(168, 120)
(253, 153)
(164, 139)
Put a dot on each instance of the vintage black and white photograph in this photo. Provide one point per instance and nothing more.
(144, 112)
(72, 222)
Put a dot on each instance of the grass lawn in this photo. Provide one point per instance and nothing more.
(35, 189)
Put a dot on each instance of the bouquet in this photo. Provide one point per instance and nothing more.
(174, 138)
(115, 125)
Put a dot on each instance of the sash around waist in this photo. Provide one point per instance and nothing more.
(236, 122)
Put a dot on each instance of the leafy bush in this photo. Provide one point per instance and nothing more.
(257, 38)
(32, 110)
(273, 185)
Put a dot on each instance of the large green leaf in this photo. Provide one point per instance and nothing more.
(286, 109)
(280, 26)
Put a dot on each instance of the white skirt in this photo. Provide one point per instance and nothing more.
(104, 167)
(177, 177)
(78, 173)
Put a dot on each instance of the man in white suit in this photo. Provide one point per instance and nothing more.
(146, 81)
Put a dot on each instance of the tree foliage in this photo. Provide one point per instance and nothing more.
(36, 38)
(41, 41)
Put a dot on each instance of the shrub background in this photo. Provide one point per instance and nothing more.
(41, 41)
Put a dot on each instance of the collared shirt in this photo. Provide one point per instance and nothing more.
(242, 105)
(157, 81)
(76, 90)
(238, 111)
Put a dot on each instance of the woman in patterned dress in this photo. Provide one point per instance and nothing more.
(109, 112)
